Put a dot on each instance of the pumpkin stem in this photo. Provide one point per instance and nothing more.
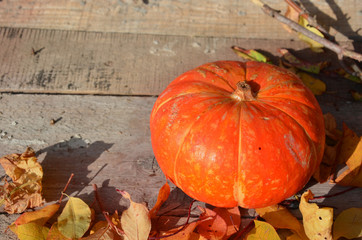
(243, 92)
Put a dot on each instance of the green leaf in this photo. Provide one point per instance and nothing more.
(348, 224)
(250, 54)
(262, 231)
(75, 219)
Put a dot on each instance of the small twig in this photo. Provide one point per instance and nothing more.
(246, 229)
(183, 227)
(105, 214)
(295, 26)
(65, 188)
(334, 194)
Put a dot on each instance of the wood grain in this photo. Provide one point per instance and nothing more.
(241, 19)
(78, 62)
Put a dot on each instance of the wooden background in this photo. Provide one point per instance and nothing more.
(96, 67)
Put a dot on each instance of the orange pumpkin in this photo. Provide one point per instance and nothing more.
(231, 133)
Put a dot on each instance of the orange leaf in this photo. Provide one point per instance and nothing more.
(232, 218)
(55, 234)
(213, 229)
(293, 15)
(40, 216)
(162, 197)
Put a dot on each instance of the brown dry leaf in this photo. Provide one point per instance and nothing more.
(348, 224)
(325, 169)
(330, 125)
(25, 189)
(317, 221)
(280, 217)
(104, 233)
(163, 195)
(350, 153)
(213, 229)
(135, 221)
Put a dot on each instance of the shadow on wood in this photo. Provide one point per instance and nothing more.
(71, 156)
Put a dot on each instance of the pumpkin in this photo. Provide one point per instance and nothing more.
(230, 133)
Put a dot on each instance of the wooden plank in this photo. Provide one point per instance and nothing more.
(108, 63)
(176, 17)
(105, 140)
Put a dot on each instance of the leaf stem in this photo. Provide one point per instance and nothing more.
(65, 188)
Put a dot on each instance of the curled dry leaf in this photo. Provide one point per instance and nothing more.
(163, 195)
(135, 221)
(317, 221)
(348, 224)
(280, 217)
(25, 189)
(262, 231)
(75, 218)
(351, 154)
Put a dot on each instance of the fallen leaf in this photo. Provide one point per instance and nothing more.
(317, 86)
(232, 218)
(75, 218)
(293, 15)
(30, 231)
(39, 217)
(185, 232)
(280, 217)
(25, 189)
(104, 233)
(213, 229)
(317, 221)
(328, 164)
(135, 221)
(262, 231)
(331, 130)
(350, 153)
(314, 45)
(292, 61)
(250, 54)
(55, 234)
(163, 195)
(357, 96)
(348, 224)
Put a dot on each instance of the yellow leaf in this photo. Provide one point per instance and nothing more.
(162, 197)
(315, 85)
(280, 217)
(351, 154)
(348, 224)
(317, 221)
(135, 221)
(315, 46)
(262, 231)
(31, 231)
(75, 219)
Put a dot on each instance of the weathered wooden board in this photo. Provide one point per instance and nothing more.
(108, 63)
(103, 140)
(192, 18)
